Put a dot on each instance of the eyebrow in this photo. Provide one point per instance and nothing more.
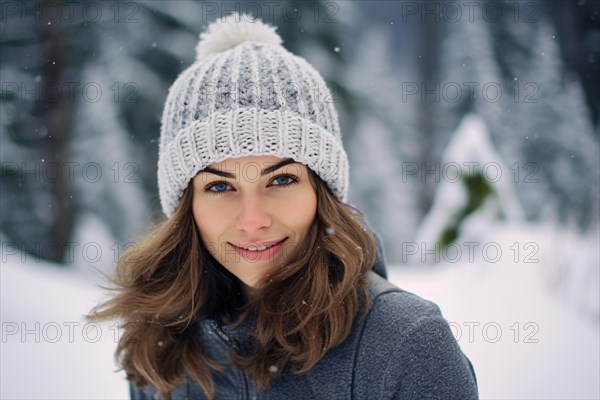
(264, 172)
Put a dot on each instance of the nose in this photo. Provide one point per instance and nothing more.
(253, 215)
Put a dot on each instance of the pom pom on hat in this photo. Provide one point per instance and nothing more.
(224, 34)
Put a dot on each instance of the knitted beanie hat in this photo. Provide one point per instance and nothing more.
(245, 95)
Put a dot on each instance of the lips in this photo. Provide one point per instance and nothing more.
(256, 245)
(259, 255)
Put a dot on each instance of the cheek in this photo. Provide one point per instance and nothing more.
(208, 221)
(301, 211)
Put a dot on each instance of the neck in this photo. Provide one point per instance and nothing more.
(250, 292)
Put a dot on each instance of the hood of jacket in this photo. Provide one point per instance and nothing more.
(380, 263)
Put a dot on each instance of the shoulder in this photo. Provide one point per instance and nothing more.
(396, 308)
(408, 350)
(396, 317)
(399, 318)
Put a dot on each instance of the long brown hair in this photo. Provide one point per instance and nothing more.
(303, 309)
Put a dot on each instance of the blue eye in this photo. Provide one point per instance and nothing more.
(284, 180)
(284, 177)
(222, 185)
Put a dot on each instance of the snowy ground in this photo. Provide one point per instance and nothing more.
(523, 344)
(48, 351)
(525, 341)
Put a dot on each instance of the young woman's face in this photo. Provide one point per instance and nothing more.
(241, 203)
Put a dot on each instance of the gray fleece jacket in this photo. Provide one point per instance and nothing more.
(403, 350)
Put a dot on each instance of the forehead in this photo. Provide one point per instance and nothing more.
(253, 166)
(263, 161)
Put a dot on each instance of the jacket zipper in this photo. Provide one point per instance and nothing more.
(224, 338)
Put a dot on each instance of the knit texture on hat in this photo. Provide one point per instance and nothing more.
(245, 95)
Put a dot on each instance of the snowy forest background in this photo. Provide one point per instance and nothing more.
(473, 135)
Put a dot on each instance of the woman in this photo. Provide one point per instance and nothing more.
(262, 282)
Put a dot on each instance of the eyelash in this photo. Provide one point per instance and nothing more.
(293, 178)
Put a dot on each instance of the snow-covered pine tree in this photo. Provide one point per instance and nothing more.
(556, 139)
(536, 112)
(383, 139)
(472, 192)
(35, 124)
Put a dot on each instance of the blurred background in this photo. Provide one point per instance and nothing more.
(472, 130)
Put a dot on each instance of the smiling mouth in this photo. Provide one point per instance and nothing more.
(258, 247)
(258, 255)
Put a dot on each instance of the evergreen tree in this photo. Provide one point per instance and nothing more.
(383, 140)
(471, 189)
